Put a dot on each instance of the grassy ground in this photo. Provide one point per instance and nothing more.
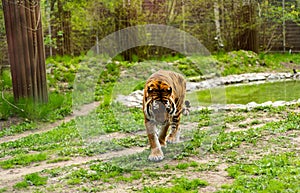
(100, 151)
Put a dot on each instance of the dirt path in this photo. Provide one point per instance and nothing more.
(85, 109)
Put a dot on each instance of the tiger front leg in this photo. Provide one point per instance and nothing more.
(174, 135)
(156, 153)
(163, 134)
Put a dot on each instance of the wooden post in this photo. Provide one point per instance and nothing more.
(26, 49)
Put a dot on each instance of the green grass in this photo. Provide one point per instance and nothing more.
(181, 185)
(131, 169)
(33, 179)
(23, 160)
(108, 119)
(140, 141)
(234, 118)
(24, 126)
(274, 60)
(238, 62)
(228, 140)
(59, 138)
(272, 173)
(60, 159)
(66, 139)
(100, 171)
(58, 106)
(259, 93)
(5, 80)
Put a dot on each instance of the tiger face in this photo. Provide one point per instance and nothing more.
(159, 106)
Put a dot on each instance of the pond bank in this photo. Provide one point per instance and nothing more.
(240, 79)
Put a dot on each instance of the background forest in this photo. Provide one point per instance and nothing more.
(73, 27)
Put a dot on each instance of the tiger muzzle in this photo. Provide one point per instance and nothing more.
(160, 112)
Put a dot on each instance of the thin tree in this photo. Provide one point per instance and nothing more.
(26, 48)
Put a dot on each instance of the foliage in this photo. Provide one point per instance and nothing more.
(188, 67)
(271, 173)
(56, 139)
(23, 160)
(181, 185)
(33, 179)
(61, 70)
(17, 128)
(228, 140)
(106, 82)
(139, 141)
(101, 171)
(5, 80)
(97, 19)
(238, 62)
(58, 106)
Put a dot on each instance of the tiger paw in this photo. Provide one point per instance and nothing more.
(156, 155)
(172, 139)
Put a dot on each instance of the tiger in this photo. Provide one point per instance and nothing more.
(164, 95)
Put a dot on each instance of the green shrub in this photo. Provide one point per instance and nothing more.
(33, 179)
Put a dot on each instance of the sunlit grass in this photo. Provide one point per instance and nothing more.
(23, 160)
(272, 173)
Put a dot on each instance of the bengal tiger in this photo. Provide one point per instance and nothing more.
(164, 95)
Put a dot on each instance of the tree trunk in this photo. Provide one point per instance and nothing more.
(218, 25)
(26, 49)
(247, 37)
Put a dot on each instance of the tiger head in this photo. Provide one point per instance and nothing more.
(159, 104)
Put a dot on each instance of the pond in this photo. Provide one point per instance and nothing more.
(243, 94)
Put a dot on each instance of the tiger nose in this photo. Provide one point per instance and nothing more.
(159, 111)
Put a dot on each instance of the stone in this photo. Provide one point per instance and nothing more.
(273, 77)
(251, 105)
(268, 103)
(278, 103)
(256, 77)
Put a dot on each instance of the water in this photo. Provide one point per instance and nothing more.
(244, 94)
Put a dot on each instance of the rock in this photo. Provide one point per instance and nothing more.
(191, 86)
(268, 103)
(251, 105)
(273, 77)
(278, 103)
(257, 77)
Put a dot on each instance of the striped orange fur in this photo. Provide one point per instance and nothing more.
(164, 95)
